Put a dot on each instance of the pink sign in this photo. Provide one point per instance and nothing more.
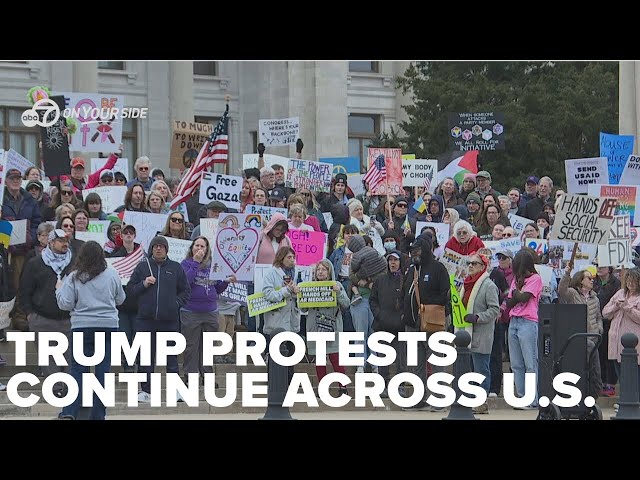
(309, 246)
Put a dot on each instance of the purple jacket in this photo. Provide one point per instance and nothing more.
(204, 292)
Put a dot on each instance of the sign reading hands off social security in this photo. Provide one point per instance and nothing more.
(584, 219)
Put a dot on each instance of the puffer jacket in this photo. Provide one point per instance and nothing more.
(571, 296)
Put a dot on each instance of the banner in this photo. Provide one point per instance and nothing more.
(317, 294)
(55, 145)
(628, 197)
(393, 166)
(476, 131)
(309, 246)
(235, 292)
(315, 176)
(583, 219)
(236, 246)
(416, 172)
(617, 252)
(631, 171)
(279, 131)
(257, 304)
(223, 188)
(112, 197)
(187, 139)
(583, 172)
(346, 165)
(617, 149)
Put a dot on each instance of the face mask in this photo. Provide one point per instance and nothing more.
(416, 260)
(388, 246)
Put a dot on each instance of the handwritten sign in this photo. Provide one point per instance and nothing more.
(209, 229)
(316, 294)
(309, 246)
(617, 252)
(15, 160)
(518, 223)
(147, 224)
(187, 139)
(442, 231)
(223, 188)
(265, 212)
(583, 219)
(458, 310)
(235, 292)
(279, 131)
(583, 172)
(257, 304)
(112, 197)
(393, 165)
(617, 149)
(122, 165)
(235, 248)
(631, 171)
(415, 172)
(315, 176)
(628, 197)
(98, 226)
(177, 248)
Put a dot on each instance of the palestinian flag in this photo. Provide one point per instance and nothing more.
(455, 166)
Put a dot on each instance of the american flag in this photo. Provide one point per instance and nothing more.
(126, 265)
(214, 150)
(427, 181)
(377, 173)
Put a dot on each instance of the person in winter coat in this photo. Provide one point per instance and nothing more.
(432, 279)
(435, 209)
(606, 284)
(401, 223)
(579, 291)
(327, 319)
(464, 240)
(480, 297)
(161, 287)
(273, 238)
(366, 264)
(200, 313)
(387, 305)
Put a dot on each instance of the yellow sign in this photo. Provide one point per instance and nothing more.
(458, 310)
(257, 304)
(316, 294)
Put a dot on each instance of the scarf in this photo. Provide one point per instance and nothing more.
(57, 261)
(469, 282)
(290, 272)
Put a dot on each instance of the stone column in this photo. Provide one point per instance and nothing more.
(302, 104)
(155, 142)
(332, 129)
(180, 102)
(85, 77)
(401, 99)
(629, 84)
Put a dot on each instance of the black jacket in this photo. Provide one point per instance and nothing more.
(162, 300)
(387, 304)
(433, 281)
(38, 289)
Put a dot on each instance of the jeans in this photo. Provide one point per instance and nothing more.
(98, 410)
(481, 363)
(523, 351)
(126, 322)
(363, 322)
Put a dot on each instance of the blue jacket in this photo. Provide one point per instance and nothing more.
(23, 208)
(162, 300)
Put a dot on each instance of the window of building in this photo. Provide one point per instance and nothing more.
(360, 66)
(205, 68)
(254, 141)
(362, 129)
(110, 65)
(13, 134)
(217, 167)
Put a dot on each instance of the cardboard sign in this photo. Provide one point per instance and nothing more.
(279, 131)
(420, 173)
(257, 304)
(223, 188)
(317, 294)
(617, 149)
(315, 176)
(309, 246)
(583, 172)
(235, 292)
(628, 197)
(617, 252)
(583, 219)
(393, 166)
(187, 139)
(112, 197)
(631, 172)
(122, 165)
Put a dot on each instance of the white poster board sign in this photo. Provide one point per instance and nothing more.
(223, 188)
(631, 172)
(122, 165)
(15, 160)
(617, 251)
(584, 219)
(112, 197)
(279, 131)
(582, 172)
(416, 172)
(250, 160)
(19, 232)
(147, 225)
(177, 249)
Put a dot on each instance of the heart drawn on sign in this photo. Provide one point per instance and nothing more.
(235, 247)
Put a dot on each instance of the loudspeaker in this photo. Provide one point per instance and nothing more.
(556, 323)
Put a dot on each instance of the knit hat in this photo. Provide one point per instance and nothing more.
(341, 178)
(158, 240)
(470, 176)
(544, 216)
(353, 205)
(473, 196)
(356, 243)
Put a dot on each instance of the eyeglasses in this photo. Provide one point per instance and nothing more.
(463, 232)
(176, 220)
(67, 225)
(501, 257)
(143, 168)
(402, 205)
(507, 235)
(66, 192)
(474, 263)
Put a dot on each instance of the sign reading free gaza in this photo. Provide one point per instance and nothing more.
(223, 188)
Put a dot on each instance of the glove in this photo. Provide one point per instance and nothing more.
(471, 318)
(299, 146)
(261, 149)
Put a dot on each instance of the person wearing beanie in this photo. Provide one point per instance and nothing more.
(474, 206)
(544, 223)
(468, 185)
(401, 223)
(339, 192)
(161, 287)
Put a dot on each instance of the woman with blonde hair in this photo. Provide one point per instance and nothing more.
(155, 203)
(309, 220)
(163, 189)
(175, 227)
(451, 217)
(297, 215)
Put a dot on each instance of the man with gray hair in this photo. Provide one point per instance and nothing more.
(268, 178)
(535, 207)
(142, 167)
(42, 275)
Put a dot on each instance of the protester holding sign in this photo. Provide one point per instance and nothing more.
(328, 319)
(273, 238)
(200, 313)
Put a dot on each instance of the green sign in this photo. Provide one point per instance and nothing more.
(257, 304)
(316, 294)
(458, 310)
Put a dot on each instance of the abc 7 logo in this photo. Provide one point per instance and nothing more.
(46, 109)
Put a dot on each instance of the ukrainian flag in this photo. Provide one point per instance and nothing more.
(5, 232)
(419, 205)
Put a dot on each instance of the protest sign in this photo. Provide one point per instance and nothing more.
(55, 145)
(456, 265)
(257, 304)
(545, 273)
(235, 249)
(147, 225)
(560, 253)
(235, 292)
(250, 160)
(393, 166)
(316, 294)
(476, 131)
(187, 139)
(209, 229)
(19, 232)
(315, 176)
(15, 160)
(99, 237)
(99, 226)
(631, 172)
(3, 173)
(122, 165)
(223, 188)
(420, 173)
(355, 184)
(112, 197)
(309, 246)
(458, 310)
(442, 231)
(583, 219)
(265, 212)
(177, 248)
(539, 246)
(279, 131)
(518, 223)
(617, 149)
(628, 197)
(617, 251)
(583, 172)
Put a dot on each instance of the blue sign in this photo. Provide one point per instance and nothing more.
(348, 165)
(617, 149)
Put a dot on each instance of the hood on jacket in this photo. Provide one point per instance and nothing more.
(440, 201)
(275, 219)
(158, 240)
(327, 264)
(356, 243)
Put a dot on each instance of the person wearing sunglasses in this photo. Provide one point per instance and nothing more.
(401, 223)
(175, 227)
(142, 168)
(67, 225)
(480, 296)
(64, 194)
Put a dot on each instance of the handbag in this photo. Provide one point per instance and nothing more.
(431, 316)
(325, 323)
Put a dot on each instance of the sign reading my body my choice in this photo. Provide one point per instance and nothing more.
(224, 188)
